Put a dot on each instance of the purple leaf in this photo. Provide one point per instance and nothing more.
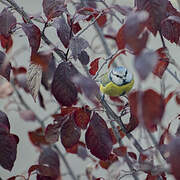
(87, 86)
(98, 138)
(63, 30)
(53, 8)
(83, 57)
(50, 157)
(47, 75)
(34, 36)
(157, 12)
(77, 45)
(8, 150)
(63, 88)
(52, 133)
(70, 133)
(7, 22)
(5, 67)
(4, 120)
(145, 63)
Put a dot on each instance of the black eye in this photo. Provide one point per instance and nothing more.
(118, 76)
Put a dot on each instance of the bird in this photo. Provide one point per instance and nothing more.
(117, 82)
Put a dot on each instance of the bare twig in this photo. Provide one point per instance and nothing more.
(90, 24)
(111, 11)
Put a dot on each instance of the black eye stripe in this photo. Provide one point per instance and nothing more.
(126, 73)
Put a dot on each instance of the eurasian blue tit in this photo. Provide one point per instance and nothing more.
(116, 82)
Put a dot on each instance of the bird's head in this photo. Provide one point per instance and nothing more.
(120, 76)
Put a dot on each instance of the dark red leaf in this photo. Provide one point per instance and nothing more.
(63, 88)
(52, 133)
(169, 97)
(98, 138)
(70, 133)
(5, 66)
(152, 105)
(162, 63)
(156, 10)
(120, 38)
(151, 177)
(114, 140)
(133, 123)
(63, 30)
(50, 157)
(53, 8)
(76, 28)
(74, 24)
(120, 151)
(116, 99)
(145, 63)
(101, 21)
(74, 149)
(83, 57)
(7, 22)
(77, 45)
(153, 108)
(164, 135)
(42, 170)
(81, 118)
(33, 34)
(4, 120)
(6, 42)
(132, 155)
(8, 150)
(134, 26)
(42, 58)
(170, 26)
(37, 137)
(178, 98)
(160, 68)
(111, 159)
(79, 149)
(94, 66)
(47, 75)
(68, 110)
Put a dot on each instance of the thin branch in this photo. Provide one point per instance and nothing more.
(119, 121)
(65, 162)
(59, 52)
(100, 33)
(90, 24)
(112, 12)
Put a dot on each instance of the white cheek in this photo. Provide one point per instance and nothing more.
(117, 81)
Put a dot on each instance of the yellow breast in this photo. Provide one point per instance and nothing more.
(112, 89)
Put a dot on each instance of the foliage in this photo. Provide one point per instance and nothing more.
(69, 72)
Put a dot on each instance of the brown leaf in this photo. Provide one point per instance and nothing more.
(34, 75)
